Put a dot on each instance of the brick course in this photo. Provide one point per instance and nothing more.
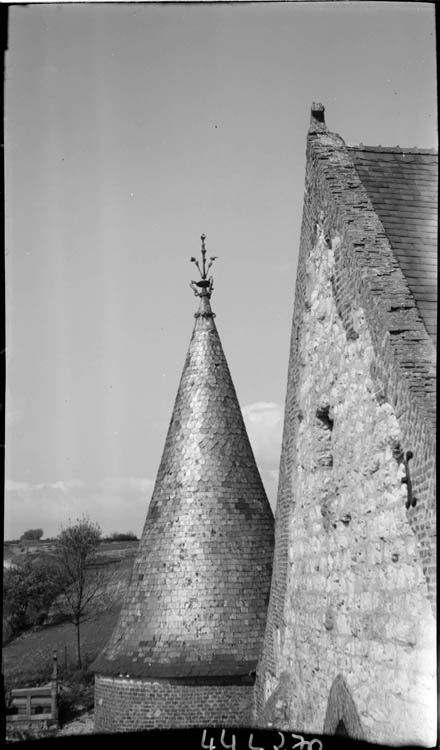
(123, 705)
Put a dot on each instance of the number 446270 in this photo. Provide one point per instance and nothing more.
(298, 742)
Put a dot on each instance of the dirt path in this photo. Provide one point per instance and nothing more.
(83, 724)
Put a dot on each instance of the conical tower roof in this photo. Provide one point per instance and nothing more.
(197, 599)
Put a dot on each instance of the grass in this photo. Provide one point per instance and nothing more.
(27, 660)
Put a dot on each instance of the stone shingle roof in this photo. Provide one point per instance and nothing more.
(402, 186)
(197, 599)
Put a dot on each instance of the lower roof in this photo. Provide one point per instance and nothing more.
(402, 186)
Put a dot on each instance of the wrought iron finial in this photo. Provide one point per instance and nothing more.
(205, 285)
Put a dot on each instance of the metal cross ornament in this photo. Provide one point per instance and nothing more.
(205, 285)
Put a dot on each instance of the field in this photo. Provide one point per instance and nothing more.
(28, 658)
(16, 552)
(27, 662)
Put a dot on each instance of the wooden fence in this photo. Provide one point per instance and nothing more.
(38, 703)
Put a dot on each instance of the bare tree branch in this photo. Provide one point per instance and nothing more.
(75, 555)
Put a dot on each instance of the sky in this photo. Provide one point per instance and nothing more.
(129, 131)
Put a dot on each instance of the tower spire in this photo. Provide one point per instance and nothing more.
(193, 614)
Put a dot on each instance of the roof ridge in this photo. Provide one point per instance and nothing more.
(393, 149)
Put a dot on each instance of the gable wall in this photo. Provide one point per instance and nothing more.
(353, 586)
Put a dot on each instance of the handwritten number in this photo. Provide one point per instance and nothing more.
(251, 746)
(302, 742)
(231, 747)
(211, 745)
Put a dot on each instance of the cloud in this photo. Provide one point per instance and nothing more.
(140, 484)
(263, 421)
(11, 486)
(63, 484)
(116, 504)
(264, 425)
(126, 484)
(120, 503)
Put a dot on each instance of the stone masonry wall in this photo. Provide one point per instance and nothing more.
(123, 705)
(351, 633)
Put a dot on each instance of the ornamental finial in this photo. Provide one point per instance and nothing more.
(205, 285)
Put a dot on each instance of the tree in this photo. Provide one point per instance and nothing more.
(74, 552)
(123, 536)
(29, 589)
(35, 534)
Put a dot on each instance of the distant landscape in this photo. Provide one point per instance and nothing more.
(28, 655)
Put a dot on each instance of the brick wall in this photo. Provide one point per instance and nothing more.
(353, 588)
(123, 705)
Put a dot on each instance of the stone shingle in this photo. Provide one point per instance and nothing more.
(197, 599)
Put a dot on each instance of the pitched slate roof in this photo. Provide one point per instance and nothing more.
(197, 600)
(402, 186)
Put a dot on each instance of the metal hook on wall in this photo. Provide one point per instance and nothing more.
(411, 500)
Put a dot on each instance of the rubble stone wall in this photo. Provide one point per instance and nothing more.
(351, 634)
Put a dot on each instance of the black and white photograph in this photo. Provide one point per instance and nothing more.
(220, 282)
